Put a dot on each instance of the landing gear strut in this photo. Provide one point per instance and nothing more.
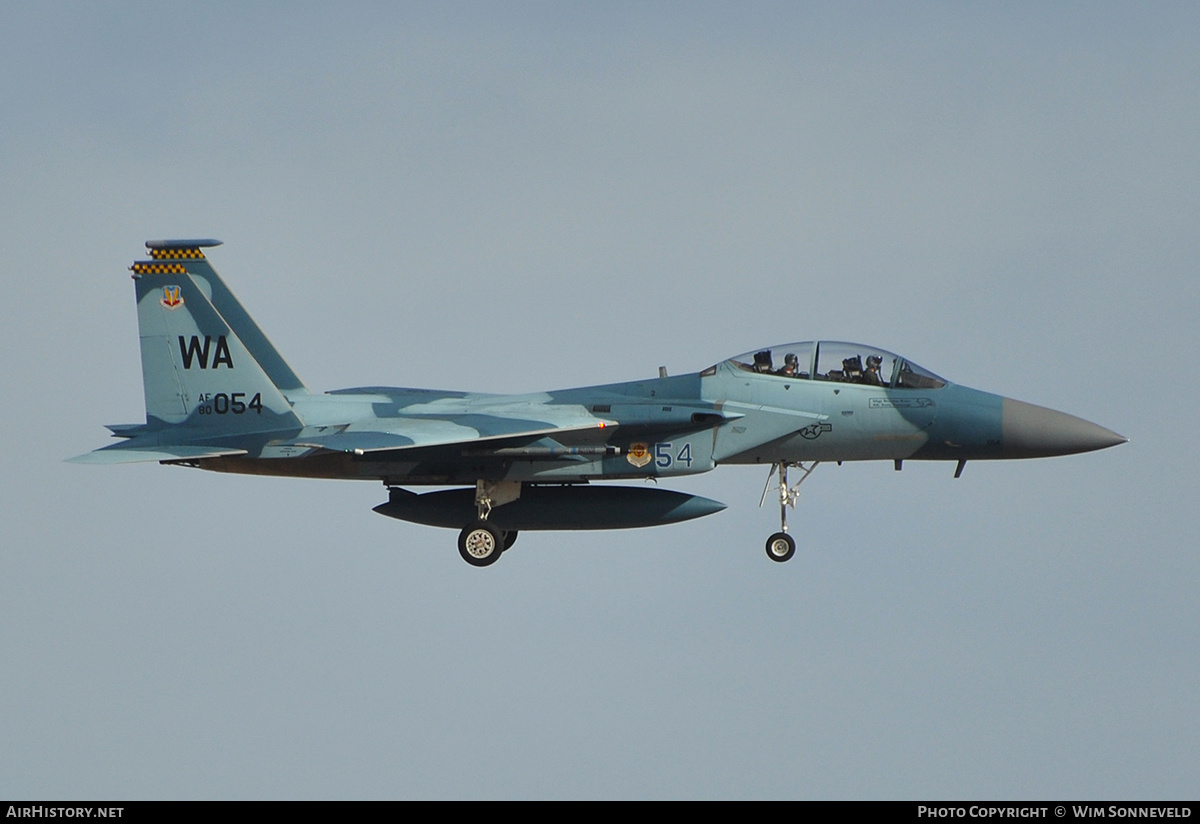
(781, 546)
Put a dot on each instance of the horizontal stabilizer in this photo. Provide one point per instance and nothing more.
(125, 430)
(122, 454)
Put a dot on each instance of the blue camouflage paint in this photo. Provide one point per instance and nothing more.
(219, 396)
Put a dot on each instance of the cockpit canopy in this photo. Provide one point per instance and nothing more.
(840, 362)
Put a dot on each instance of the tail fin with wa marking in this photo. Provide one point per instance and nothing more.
(205, 362)
(208, 371)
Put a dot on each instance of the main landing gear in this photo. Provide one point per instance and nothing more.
(480, 543)
(781, 546)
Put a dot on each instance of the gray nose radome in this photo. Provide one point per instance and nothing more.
(1029, 431)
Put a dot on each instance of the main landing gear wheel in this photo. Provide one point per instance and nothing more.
(781, 547)
(510, 538)
(480, 544)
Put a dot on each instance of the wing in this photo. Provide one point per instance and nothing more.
(491, 424)
(494, 428)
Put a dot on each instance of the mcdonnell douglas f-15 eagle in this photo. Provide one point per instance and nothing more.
(219, 396)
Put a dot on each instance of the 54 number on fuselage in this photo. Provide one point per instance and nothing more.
(666, 456)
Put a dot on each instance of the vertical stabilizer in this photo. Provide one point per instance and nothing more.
(205, 363)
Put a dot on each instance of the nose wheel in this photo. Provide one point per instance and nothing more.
(781, 546)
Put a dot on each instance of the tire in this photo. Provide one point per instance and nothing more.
(781, 547)
(510, 538)
(480, 544)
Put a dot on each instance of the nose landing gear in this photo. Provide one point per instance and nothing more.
(781, 546)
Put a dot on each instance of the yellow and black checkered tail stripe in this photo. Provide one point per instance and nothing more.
(147, 268)
(177, 254)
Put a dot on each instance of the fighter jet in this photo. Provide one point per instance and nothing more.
(219, 396)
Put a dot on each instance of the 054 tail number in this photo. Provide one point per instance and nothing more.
(231, 404)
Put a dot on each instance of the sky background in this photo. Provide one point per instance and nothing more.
(530, 196)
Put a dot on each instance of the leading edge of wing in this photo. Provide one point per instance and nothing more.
(421, 433)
